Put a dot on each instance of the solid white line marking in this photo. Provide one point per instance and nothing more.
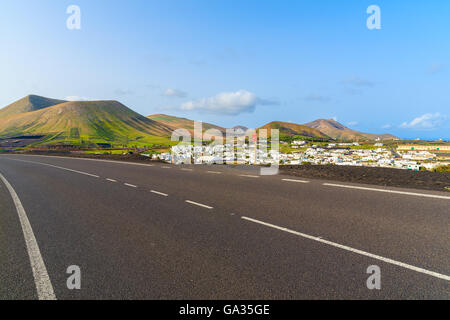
(215, 172)
(62, 168)
(248, 176)
(112, 161)
(360, 252)
(41, 278)
(160, 193)
(389, 191)
(293, 180)
(130, 185)
(112, 180)
(199, 204)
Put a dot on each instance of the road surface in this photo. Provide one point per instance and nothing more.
(212, 232)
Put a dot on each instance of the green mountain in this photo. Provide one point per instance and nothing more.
(28, 104)
(80, 123)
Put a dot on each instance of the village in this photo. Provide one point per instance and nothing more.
(301, 152)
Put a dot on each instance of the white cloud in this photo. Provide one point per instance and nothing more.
(353, 91)
(386, 126)
(426, 121)
(435, 68)
(199, 62)
(174, 93)
(76, 98)
(152, 86)
(352, 123)
(359, 82)
(228, 103)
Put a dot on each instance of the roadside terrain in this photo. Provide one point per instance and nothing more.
(373, 175)
(425, 180)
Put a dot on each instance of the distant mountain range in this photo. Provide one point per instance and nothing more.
(292, 129)
(336, 130)
(174, 123)
(59, 122)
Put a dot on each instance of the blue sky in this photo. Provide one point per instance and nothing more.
(239, 62)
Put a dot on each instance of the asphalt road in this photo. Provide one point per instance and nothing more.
(214, 232)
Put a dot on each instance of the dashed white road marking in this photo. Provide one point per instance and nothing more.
(388, 191)
(130, 185)
(76, 171)
(360, 252)
(248, 176)
(186, 169)
(215, 172)
(111, 180)
(199, 204)
(160, 193)
(41, 278)
(294, 180)
(165, 167)
(62, 168)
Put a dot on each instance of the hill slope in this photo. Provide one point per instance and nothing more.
(182, 123)
(28, 104)
(94, 121)
(338, 131)
(292, 129)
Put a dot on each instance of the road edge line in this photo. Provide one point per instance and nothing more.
(387, 191)
(347, 248)
(42, 280)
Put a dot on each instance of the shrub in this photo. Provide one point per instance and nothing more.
(445, 168)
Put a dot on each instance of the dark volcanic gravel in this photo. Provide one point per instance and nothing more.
(372, 175)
